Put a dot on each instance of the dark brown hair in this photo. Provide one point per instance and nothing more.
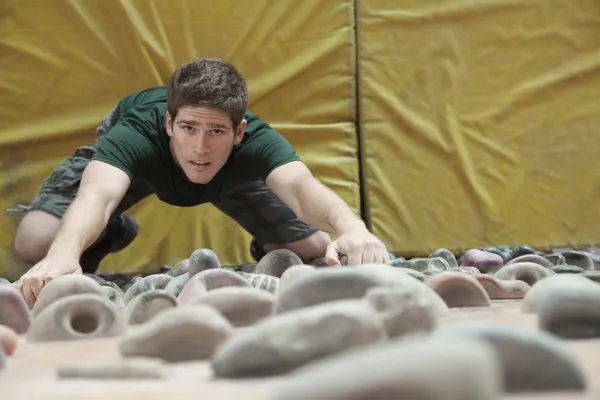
(211, 83)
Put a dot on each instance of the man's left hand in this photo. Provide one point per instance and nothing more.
(361, 247)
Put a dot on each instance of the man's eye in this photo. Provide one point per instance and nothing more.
(217, 131)
(188, 128)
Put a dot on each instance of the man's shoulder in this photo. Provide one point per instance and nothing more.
(148, 95)
(139, 121)
(142, 100)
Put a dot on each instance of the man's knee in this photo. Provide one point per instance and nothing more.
(35, 234)
(308, 249)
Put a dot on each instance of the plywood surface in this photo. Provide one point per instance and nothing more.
(31, 371)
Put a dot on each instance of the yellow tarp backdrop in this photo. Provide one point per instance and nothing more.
(64, 64)
(477, 119)
(480, 122)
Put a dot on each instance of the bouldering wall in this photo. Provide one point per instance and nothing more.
(64, 64)
(476, 118)
(478, 122)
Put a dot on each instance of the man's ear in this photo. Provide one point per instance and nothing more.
(239, 132)
(169, 125)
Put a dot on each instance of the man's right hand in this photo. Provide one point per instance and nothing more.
(32, 282)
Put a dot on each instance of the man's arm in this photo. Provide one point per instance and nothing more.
(313, 202)
(317, 205)
(101, 189)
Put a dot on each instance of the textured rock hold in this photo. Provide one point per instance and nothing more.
(284, 342)
(115, 296)
(293, 272)
(332, 284)
(504, 254)
(432, 265)
(98, 279)
(503, 290)
(531, 361)
(406, 310)
(14, 311)
(264, 282)
(531, 301)
(592, 275)
(113, 285)
(569, 313)
(530, 273)
(176, 285)
(245, 267)
(555, 258)
(579, 259)
(532, 258)
(178, 334)
(182, 267)
(129, 283)
(201, 260)
(147, 305)
(594, 255)
(193, 287)
(459, 290)
(466, 270)
(120, 370)
(275, 262)
(427, 370)
(520, 251)
(150, 282)
(242, 306)
(567, 269)
(447, 255)
(216, 278)
(75, 317)
(65, 286)
(414, 273)
(482, 260)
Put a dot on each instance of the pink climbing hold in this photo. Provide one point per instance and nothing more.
(482, 260)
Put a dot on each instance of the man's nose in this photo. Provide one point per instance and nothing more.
(202, 144)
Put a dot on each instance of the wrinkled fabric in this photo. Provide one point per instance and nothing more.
(479, 122)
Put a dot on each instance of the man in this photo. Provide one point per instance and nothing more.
(190, 143)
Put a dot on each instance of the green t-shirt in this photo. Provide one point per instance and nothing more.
(138, 144)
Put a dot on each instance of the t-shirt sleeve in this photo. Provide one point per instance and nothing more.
(125, 148)
(264, 150)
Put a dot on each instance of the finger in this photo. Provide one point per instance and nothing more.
(28, 294)
(386, 257)
(368, 255)
(382, 256)
(36, 287)
(20, 287)
(47, 279)
(355, 256)
(379, 257)
(332, 255)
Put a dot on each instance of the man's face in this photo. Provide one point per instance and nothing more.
(201, 141)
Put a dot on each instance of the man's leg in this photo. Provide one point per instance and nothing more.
(272, 223)
(34, 235)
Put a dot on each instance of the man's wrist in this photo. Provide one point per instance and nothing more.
(355, 225)
(62, 254)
